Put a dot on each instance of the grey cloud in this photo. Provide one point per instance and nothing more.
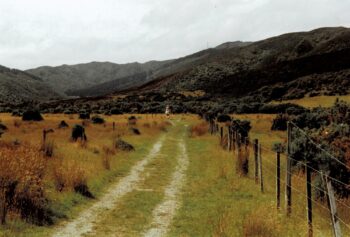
(41, 32)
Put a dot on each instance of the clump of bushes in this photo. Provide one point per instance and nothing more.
(78, 131)
(84, 115)
(224, 118)
(97, 120)
(135, 131)
(63, 124)
(279, 123)
(123, 145)
(32, 115)
(328, 127)
(3, 127)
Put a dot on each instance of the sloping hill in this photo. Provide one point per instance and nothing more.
(238, 71)
(75, 77)
(16, 85)
(100, 78)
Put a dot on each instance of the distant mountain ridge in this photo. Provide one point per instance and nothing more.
(239, 71)
(16, 86)
(73, 77)
(232, 69)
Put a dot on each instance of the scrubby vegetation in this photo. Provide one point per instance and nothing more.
(325, 141)
(38, 179)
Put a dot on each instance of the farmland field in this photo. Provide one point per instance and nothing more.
(175, 183)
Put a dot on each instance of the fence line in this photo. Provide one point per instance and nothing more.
(234, 143)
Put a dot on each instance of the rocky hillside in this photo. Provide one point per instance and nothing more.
(16, 86)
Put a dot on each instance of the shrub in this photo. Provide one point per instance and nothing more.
(32, 115)
(63, 124)
(279, 123)
(135, 131)
(223, 118)
(123, 146)
(3, 127)
(78, 132)
(84, 115)
(242, 127)
(97, 120)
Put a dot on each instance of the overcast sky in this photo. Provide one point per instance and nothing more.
(54, 32)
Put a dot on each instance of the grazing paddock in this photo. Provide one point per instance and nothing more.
(311, 102)
(72, 170)
(178, 181)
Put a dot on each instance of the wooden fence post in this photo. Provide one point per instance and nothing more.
(309, 199)
(228, 138)
(221, 134)
(3, 208)
(261, 170)
(44, 136)
(289, 172)
(238, 145)
(278, 181)
(256, 145)
(332, 207)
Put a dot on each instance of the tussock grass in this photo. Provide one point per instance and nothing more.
(72, 167)
(261, 223)
(199, 129)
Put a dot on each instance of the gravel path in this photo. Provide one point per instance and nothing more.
(165, 211)
(85, 222)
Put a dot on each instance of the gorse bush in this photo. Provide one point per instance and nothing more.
(329, 128)
(97, 120)
(32, 115)
(78, 131)
(279, 123)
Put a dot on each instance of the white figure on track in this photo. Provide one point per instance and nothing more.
(167, 111)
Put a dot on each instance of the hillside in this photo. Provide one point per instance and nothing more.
(101, 78)
(73, 77)
(238, 71)
(16, 85)
(274, 68)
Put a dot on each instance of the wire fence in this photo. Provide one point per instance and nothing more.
(231, 140)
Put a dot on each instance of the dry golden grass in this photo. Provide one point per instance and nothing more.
(199, 129)
(59, 165)
(22, 170)
(311, 102)
(261, 223)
